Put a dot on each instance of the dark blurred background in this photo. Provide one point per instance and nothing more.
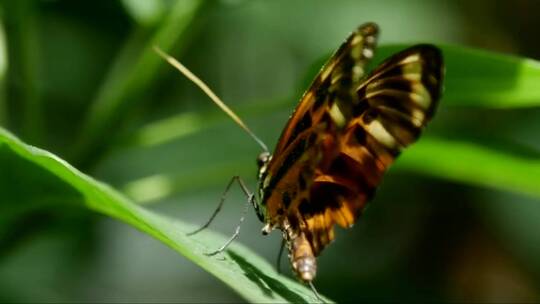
(171, 149)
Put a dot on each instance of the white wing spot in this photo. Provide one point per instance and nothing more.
(417, 118)
(337, 116)
(370, 39)
(358, 72)
(421, 95)
(368, 53)
(356, 39)
(377, 130)
(410, 59)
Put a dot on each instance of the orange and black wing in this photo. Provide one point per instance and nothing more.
(336, 78)
(345, 133)
(394, 104)
(289, 174)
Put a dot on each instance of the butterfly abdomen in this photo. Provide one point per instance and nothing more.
(302, 258)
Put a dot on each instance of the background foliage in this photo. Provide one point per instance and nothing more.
(455, 220)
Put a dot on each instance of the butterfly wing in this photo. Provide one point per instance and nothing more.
(288, 176)
(394, 104)
(345, 133)
(345, 67)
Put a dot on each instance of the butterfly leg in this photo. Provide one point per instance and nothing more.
(222, 200)
(236, 230)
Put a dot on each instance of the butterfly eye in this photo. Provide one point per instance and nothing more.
(262, 159)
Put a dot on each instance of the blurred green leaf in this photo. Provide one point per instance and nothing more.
(249, 275)
(151, 189)
(21, 27)
(472, 163)
(189, 123)
(145, 12)
(131, 74)
(3, 75)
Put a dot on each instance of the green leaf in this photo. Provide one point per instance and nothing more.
(31, 175)
(145, 12)
(472, 163)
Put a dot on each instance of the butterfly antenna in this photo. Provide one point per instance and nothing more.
(180, 67)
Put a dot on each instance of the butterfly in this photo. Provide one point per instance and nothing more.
(347, 129)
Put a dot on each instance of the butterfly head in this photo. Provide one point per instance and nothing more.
(262, 161)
